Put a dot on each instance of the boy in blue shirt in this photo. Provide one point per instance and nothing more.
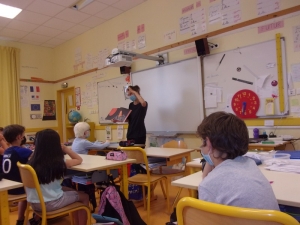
(14, 135)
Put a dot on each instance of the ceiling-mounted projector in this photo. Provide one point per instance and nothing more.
(119, 58)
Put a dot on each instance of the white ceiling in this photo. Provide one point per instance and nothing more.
(50, 23)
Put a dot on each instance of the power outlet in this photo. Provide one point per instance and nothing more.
(213, 46)
(292, 92)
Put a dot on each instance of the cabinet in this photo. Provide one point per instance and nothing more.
(70, 132)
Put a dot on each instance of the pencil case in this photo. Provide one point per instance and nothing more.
(116, 155)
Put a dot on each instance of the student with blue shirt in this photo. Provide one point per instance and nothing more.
(229, 178)
(80, 144)
(14, 135)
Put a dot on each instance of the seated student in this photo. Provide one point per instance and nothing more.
(3, 143)
(80, 144)
(14, 134)
(50, 166)
(229, 178)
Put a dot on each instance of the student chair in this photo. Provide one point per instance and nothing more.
(30, 180)
(191, 211)
(170, 172)
(145, 180)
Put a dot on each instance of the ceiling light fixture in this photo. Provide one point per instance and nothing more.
(9, 11)
(81, 4)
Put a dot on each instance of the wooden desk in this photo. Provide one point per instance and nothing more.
(93, 162)
(6, 185)
(172, 155)
(286, 186)
(279, 145)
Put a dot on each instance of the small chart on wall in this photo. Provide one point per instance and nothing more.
(246, 82)
(111, 95)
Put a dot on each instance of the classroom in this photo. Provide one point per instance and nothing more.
(65, 69)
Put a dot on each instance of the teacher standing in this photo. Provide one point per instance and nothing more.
(136, 119)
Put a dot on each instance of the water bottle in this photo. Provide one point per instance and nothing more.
(256, 133)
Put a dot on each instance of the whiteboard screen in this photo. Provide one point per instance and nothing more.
(252, 67)
(174, 96)
(111, 95)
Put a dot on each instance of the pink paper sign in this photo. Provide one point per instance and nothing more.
(271, 26)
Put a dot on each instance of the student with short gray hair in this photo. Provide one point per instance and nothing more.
(80, 144)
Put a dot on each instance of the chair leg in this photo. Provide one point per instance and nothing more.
(162, 188)
(27, 214)
(176, 198)
(148, 205)
(71, 218)
(167, 191)
(144, 197)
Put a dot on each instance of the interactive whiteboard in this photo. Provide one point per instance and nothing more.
(174, 96)
(251, 67)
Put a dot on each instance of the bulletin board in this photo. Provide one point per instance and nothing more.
(174, 96)
(253, 68)
(111, 95)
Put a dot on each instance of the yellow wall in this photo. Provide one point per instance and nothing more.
(159, 16)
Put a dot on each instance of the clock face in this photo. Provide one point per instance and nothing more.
(245, 104)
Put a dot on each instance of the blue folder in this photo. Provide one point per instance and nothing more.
(295, 154)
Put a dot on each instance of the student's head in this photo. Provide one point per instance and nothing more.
(224, 136)
(1, 130)
(48, 156)
(14, 134)
(82, 130)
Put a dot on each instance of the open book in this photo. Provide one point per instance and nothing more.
(118, 114)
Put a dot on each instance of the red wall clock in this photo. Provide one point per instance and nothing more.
(245, 104)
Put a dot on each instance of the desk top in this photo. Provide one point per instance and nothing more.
(166, 152)
(277, 143)
(286, 186)
(116, 145)
(9, 184)
(95, 162)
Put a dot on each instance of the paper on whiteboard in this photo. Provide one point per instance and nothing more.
(261, 80)
(228, 107)
(295, 72)
(210, 101)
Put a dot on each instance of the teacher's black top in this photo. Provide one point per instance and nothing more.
(136, 124)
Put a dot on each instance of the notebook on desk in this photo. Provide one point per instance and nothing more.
(256, 140)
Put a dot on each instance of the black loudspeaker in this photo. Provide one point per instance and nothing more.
(125, 69)
(202, 47)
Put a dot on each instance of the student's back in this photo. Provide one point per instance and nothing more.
(242, 185)
(11, 156)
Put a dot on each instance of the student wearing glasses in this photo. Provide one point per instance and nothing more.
(229, 178)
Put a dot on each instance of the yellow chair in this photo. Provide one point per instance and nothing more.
(145, 180)
(30, 180)
(191, 211)
(169, 172)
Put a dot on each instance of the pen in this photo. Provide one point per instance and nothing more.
(220, 62)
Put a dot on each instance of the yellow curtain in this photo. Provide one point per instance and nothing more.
(10, 111)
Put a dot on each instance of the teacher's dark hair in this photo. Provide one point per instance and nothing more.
(226, 132)
(135, 88)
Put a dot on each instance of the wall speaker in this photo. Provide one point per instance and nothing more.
(125, 70)
(202, 47)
